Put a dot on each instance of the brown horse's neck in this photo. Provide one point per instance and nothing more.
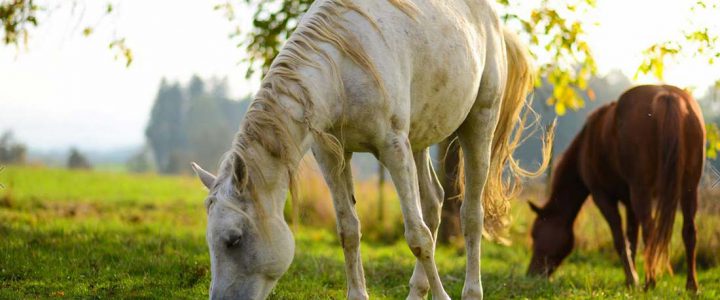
(568, 191)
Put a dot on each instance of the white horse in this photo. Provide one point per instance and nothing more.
(390, 77)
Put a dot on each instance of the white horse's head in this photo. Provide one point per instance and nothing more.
(250, 247)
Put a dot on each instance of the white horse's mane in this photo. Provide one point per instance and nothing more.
(264, 122)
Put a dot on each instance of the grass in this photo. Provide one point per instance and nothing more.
(77, 234)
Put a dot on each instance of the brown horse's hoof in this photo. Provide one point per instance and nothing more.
(632, 281)
(692, 286)
(649, 284)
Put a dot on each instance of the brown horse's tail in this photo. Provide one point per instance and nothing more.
(669, 182)
(507, 137)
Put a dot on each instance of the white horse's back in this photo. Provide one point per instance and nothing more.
(431, 73)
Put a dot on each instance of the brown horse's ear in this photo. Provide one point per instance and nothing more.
(240, 176)
(206, 177)
(535, 208)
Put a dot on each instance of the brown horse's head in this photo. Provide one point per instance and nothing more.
(552, 241)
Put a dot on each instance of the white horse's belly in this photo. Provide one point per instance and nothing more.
(440, 107)
(437, 120)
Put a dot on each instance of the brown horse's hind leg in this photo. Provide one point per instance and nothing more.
(640, 200)
(610, 210)
(689, 208)
(632, 231)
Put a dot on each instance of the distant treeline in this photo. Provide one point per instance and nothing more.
(197, 122)
(189, 123)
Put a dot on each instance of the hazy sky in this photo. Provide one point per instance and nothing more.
(67, 90)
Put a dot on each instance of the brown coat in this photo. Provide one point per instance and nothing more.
(648, 146)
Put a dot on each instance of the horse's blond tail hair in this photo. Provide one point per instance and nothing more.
(502, 186)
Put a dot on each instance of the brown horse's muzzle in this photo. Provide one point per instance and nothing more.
(541, 267)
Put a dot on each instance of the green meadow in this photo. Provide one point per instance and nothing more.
(84, 234)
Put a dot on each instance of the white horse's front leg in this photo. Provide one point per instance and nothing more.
(348, 224)
(398, 159)
(431, 199)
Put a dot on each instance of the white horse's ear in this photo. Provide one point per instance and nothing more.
(206, 177)
(240, 178)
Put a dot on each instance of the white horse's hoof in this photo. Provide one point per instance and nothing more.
(444, 296)
(418, 291)
(472, 294)
(357, 295)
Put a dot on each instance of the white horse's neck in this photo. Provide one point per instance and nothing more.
(278, 155)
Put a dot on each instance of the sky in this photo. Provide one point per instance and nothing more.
(67, 90)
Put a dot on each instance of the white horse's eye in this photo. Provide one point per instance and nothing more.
(233, 240)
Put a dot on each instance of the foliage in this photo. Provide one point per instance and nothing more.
(700, 41)
(122, 50)
(119, 236)
(556, 34)
(18, 16)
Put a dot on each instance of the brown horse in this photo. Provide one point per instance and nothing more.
(647, 151)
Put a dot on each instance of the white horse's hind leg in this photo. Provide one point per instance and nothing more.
(431, 197)
(397, 157)
(477, 163)
(476, 134)
(348, 224)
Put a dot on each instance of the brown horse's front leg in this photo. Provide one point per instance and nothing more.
(611, 212)
(689, 233)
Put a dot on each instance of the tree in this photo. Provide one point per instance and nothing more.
(16, 17)
(165, 129)
(192, 123)
(196, 88)
(209, 132)
(141, 162)
(12, 151)
(77, 160)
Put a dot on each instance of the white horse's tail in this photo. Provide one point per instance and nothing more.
(501, 186)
